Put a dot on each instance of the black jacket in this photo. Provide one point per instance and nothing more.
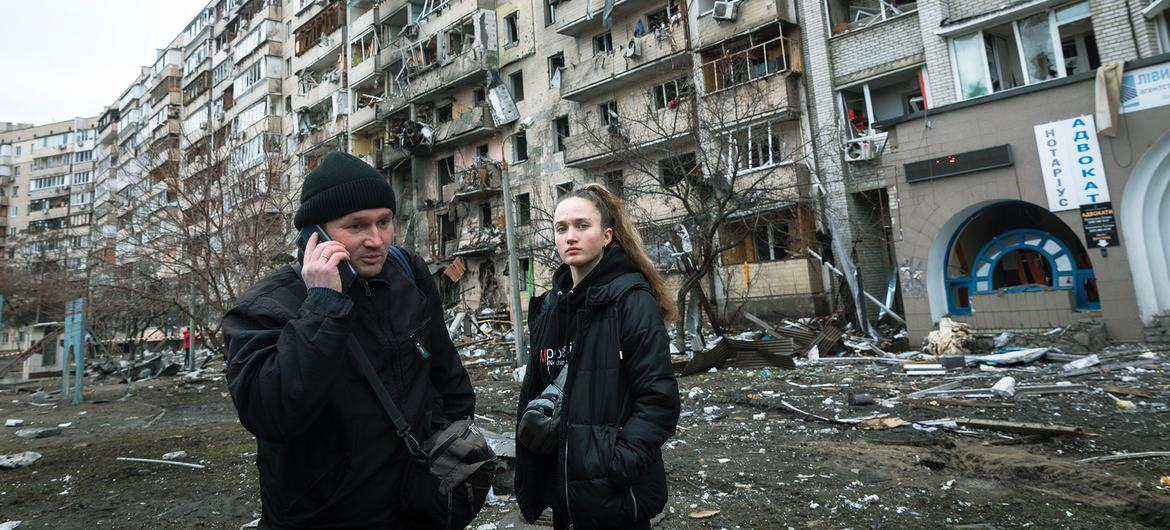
(620, 405)
(327, 453)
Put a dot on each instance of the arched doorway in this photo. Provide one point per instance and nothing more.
(1145, 229)
(1013, 247)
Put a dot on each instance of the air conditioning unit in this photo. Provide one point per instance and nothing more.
(726, 10)
(219, 116)
(410, 31)
(634, 48)
(860, 150)
(324, 42)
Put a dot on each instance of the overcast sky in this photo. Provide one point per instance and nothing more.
(60, 59)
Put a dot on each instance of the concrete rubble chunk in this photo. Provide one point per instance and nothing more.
(18, 460)
(38, 432)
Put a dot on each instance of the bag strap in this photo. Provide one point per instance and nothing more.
(400, 256)
(400, 425)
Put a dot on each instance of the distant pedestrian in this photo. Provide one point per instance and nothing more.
(602, 323)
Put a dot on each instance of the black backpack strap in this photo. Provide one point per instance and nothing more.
(399, 256)
(400, 425)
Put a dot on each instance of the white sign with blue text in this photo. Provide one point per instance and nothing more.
(1145, 88)
(1070, 159)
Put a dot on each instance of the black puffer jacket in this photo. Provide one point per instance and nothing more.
(621, 404)
(327, 453)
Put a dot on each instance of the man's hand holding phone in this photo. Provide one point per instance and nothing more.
(320, 266)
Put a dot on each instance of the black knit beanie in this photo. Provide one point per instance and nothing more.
(341, 184)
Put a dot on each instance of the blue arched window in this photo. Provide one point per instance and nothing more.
(1062, 271)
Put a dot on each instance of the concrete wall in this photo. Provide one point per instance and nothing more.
(882, 47)
(1040, 310)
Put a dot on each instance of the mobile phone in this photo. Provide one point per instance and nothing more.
(345, 268)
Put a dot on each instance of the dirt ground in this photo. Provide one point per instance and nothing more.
(741, 459)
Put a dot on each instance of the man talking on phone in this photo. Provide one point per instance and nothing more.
(327, 454)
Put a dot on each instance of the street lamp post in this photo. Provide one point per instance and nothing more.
(513, 261)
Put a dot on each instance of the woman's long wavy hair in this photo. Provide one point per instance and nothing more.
(614, 215)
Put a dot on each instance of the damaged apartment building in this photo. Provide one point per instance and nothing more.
(1012, 157)
(449, 98)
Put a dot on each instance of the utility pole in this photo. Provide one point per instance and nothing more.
(518, 330)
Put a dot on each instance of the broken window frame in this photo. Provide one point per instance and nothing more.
(864, 16)
(322, 25)
(746, 152)
(516, 80)
(364, 47)
(739, 62)
(616, 182)
(519, 147)
(556, 62)
(561, 126)
(660, 17)
(444, 174)
(971, 65)
(512, 29)
(486, 215)
(523, 204)
(673, 170)
(858, 113)
(608, 114)
(550, 12)
(674, 91)
(603, 43)
(563, 189)
(769, 226)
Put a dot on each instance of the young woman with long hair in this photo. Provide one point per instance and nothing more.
(602, 323)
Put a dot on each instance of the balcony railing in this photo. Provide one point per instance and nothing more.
(316, 94)
(465, 68)
(474, 123)
(607, 72)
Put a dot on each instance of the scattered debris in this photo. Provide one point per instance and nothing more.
(1008, 356)
(882, 423)
(175, 455)
(735, 353)
(153, 461)
(1125, 456)
(1005, 388)
(13, 422)
(951, 337)
(17, 460)
(703, 514)
(38, 432)
(1020, 427)
(1082, 363)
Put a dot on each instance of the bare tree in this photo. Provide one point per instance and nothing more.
(204, 221)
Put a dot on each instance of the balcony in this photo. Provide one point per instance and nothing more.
(751, 14)
(315, 95)
(605, 144)
(363, 70)
(478, 181)
(466, 68)
(320, 55)
(472, 125)
(777, 94)
(609, 73)
(394, 101)
(579, 25)
(319, 137)
(363, 118)
(5, 171)
(362, 22)
(390, 156)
